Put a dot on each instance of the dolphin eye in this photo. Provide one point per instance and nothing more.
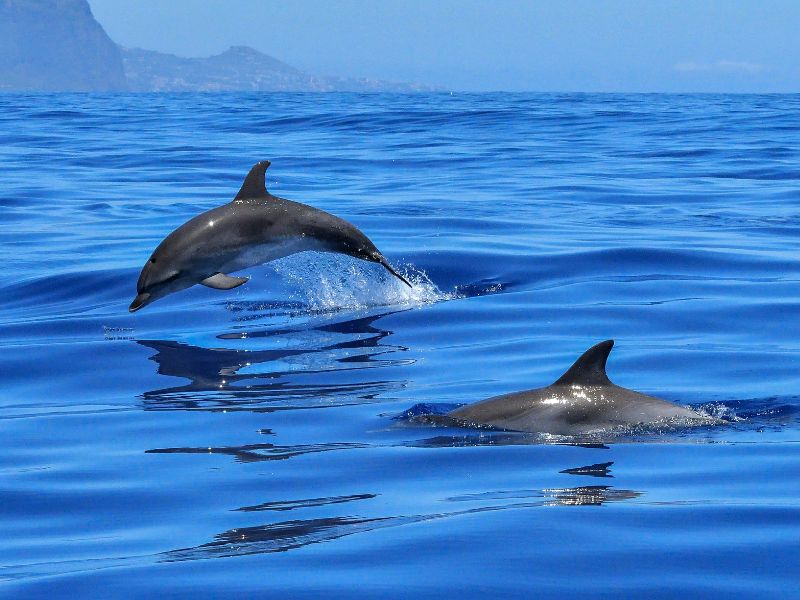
(152, 261)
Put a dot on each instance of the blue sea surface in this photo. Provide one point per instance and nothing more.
(251, 443)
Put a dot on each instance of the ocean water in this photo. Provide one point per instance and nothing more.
(247, 443)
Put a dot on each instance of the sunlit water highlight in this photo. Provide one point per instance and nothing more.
(267, 442)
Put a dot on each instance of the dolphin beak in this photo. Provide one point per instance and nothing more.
(389, 268)
(139, 302)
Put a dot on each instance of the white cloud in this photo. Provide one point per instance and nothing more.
(721, 66)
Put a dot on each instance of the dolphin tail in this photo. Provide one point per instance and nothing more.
(391, 270)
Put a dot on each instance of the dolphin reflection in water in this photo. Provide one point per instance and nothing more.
(284, 536)
(271, 367)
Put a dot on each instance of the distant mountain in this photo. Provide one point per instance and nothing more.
(239, 68)
(56, 45)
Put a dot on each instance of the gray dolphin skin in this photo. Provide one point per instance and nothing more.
(582, 401)
(256, 227)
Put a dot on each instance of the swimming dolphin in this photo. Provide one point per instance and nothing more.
(256, 227)
(583, 400)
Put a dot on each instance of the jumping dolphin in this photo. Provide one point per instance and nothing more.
(256, 227)
(583, 400)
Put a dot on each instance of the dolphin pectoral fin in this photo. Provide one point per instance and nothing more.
(220, 281)
(254, 186)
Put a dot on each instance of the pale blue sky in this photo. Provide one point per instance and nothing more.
(568, 45)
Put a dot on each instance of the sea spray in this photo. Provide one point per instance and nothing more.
(331, 283)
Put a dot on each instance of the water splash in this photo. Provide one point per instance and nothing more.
(720, 411)
(331, 283)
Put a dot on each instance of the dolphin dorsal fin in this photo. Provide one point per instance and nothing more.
(253, 186)
(590, 368)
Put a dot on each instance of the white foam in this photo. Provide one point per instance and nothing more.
(718, 411)
(327, 283)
